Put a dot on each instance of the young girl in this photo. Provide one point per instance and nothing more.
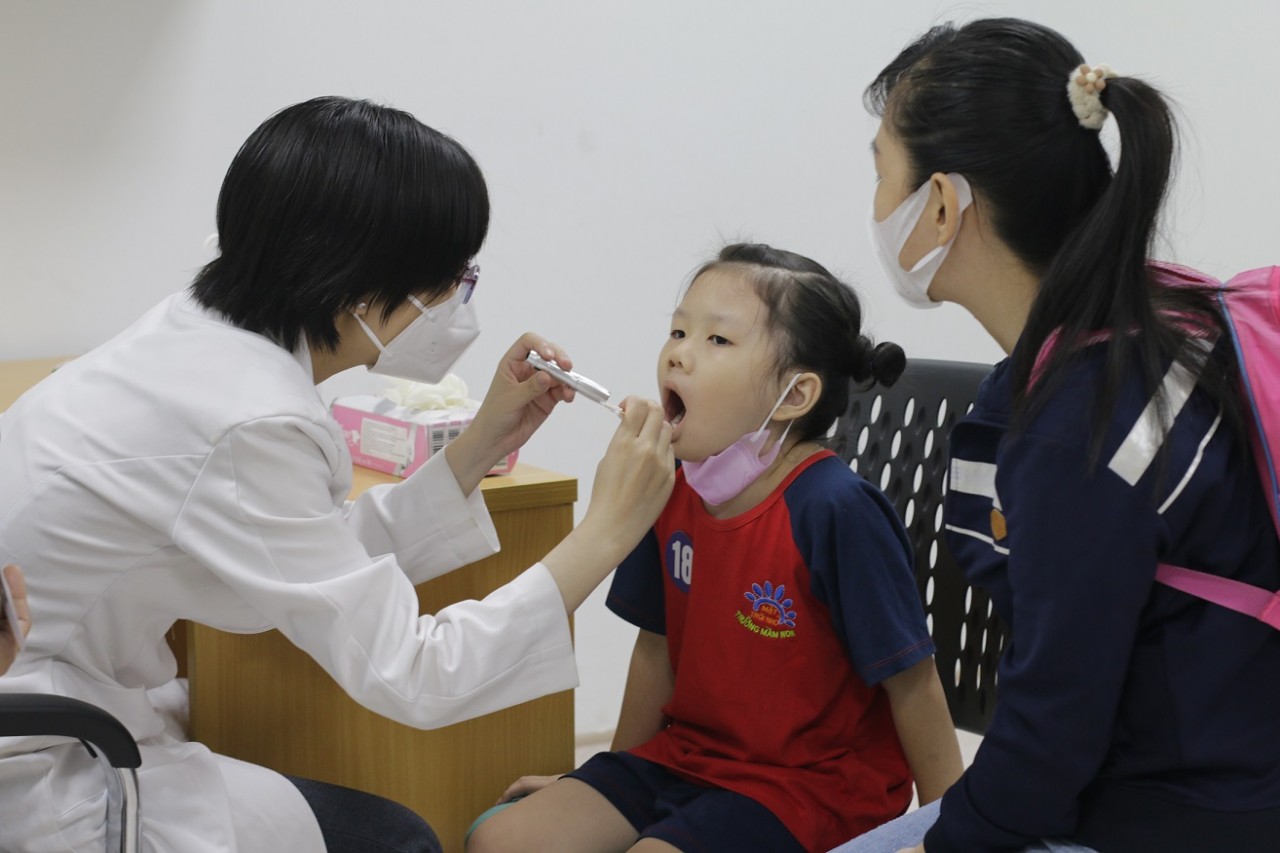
(782, 692)
(1131, 717)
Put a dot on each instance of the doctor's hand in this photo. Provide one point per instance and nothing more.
(632, 484)
(518, 402)
(8, 631)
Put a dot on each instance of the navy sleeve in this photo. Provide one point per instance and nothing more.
(636, 592)
(860, 566)
(1082, 556)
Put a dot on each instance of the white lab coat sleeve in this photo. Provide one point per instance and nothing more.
(262, 518)
(426, 521)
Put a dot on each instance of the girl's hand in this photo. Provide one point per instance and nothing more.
(919, 848)
(518, 402)
(9, 631)
(526, 785)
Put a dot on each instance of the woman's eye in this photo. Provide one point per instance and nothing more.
(718, 340)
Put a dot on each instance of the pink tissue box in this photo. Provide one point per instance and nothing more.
(397, 440)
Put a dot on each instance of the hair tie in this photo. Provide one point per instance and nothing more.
(1084, 88)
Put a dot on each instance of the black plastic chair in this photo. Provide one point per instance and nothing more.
(40, 714)
(897, 439)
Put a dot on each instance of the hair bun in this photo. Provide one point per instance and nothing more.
(887, 363)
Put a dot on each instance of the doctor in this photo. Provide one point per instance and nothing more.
(187, 469)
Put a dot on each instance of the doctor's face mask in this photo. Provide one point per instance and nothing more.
(434, 341)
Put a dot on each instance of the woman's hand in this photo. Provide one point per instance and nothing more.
(9, 631)
(919, 848)
(526, 785)
(518, 402)
(632, 484)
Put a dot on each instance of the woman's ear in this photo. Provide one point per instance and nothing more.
(944, 199)
(802, 397)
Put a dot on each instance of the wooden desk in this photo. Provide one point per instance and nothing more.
(259, 698)
(17, 376)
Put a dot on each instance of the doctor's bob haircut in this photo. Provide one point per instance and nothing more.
(335, 201)
(815, 323)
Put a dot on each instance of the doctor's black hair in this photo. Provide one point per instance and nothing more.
(816, 322)
(335, 201)
(988, 100)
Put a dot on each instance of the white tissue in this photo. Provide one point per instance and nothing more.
(449, 393)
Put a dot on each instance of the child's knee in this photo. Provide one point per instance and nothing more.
(495, 831)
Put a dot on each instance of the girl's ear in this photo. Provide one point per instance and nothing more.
(802, 397)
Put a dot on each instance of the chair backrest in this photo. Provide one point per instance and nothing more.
(897, 439)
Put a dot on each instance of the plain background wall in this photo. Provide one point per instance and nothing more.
(623, 143)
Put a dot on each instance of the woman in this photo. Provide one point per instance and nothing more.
(1130, 716)
(187, 469)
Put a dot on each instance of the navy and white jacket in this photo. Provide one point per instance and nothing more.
(1130, 716)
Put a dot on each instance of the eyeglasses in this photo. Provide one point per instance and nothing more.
(467, 281)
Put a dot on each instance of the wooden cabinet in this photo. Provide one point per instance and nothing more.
(259, 698)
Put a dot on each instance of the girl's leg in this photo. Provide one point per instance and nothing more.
(357, 822)
(906, 831)
(565, 815)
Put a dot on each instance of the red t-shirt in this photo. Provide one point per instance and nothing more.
(798, 608)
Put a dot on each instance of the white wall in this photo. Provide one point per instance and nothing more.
(623, 142)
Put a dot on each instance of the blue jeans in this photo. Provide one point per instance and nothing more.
(352, 821)
(909, 830)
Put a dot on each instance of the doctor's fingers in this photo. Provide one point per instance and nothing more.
(533, 342)
(640, 452)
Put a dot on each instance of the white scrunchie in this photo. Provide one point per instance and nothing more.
(1084, 88)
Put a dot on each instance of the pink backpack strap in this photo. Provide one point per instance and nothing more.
(1250, 600)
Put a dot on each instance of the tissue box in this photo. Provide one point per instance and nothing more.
(399, 440)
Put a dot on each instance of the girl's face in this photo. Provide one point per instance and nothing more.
(716, 371)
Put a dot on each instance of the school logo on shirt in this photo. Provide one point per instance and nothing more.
(770, 614)
(679, 560)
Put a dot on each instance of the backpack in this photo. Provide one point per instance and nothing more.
(1250, 303)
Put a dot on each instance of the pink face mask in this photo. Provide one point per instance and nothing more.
(725, 475)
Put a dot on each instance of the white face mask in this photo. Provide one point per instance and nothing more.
(432, 343)
(890, 236)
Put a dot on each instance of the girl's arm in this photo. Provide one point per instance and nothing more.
(925, 729)
(650, 683)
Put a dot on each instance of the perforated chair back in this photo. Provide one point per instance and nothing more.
(897, 439)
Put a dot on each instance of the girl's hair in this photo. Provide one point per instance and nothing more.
(989, 101)
(334, 201)
(816, 323)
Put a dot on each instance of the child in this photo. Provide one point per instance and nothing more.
(782, 691)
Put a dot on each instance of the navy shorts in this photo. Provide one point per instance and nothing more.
(690, 817)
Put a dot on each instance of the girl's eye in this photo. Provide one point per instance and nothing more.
(718, 340)
(677, 334)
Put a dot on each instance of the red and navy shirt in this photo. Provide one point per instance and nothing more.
(780, 624)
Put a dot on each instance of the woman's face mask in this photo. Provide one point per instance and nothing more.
(434, 341)
(890, 236)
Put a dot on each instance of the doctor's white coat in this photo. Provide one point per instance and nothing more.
(187, 469)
